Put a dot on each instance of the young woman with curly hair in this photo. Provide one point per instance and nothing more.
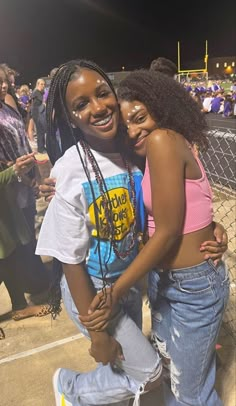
(187, 291)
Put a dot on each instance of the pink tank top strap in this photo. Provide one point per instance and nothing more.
(194, 151)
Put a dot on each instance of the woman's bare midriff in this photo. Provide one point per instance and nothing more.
(186, 252)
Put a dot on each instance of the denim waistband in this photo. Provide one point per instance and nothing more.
(99, 283)
(194, 271)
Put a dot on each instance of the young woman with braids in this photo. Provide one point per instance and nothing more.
(163, 122)
(91, 228)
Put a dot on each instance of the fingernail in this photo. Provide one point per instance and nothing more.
(90, 311)
(206, 257)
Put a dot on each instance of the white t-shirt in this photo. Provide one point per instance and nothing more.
(207, 104)
(69, 231)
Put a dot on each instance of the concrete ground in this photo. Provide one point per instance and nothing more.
(34, 348)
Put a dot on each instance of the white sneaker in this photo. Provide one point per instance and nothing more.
(59, 395)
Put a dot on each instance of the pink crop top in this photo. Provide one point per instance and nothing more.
(198, 196)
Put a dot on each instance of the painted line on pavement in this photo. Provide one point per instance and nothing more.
(40, 349)
(48, 346)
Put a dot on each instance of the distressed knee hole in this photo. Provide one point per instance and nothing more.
(174, 375)
(159, 345)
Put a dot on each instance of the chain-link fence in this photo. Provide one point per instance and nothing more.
(219, 162)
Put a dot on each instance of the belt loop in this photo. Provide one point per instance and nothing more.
(211, 263)
(171, 275)
(136, 401)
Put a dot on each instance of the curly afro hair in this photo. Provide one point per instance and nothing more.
(169, 104)
(164, 65)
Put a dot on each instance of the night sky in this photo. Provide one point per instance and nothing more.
(37, 35)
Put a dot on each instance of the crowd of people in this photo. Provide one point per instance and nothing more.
(129, 197)
(20, 269)
(210, 96)
(214, 99)
(31, 104)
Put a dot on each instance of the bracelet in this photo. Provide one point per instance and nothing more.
(19, 178)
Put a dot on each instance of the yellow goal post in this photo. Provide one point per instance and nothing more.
(194, 75)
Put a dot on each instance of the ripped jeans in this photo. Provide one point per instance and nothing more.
(107, 385)
(187, 307)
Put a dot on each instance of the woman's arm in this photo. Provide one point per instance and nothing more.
(215, 249)
(22, 166)
(104, 348)
(7, 176)
(166, 166)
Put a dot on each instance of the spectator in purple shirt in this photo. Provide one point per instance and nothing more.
(216, 103)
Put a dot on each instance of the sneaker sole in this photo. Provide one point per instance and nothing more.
(59, 397)
(55, 387)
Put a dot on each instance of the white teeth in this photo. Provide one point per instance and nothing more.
(139, 140)
(102, 122)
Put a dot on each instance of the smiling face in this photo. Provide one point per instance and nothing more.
(93, 107)
(139, 124)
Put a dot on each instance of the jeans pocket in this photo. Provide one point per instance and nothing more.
(225, 276)
(225, 282)
(196, 285)
(222, 270)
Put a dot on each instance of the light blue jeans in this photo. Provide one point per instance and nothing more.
(107, 385)
(187, 310)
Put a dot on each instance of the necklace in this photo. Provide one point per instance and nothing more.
(106, 201)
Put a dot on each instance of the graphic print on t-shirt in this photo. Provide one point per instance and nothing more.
(122, 214)
(123, 219)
